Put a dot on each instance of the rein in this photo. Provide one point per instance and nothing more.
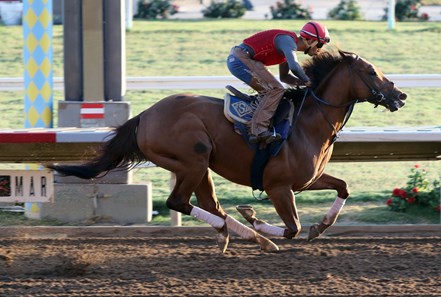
(350, 104)
(318, 100)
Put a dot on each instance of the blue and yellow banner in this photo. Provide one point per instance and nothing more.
(38, 57)
(38, 73)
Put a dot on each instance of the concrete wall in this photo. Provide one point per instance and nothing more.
(100, 203)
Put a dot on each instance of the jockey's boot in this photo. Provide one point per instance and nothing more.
(266, 136)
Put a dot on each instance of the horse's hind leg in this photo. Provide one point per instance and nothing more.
(329, 182)
(179, 199)
(207, 200)
(248, 212)
(283, 200)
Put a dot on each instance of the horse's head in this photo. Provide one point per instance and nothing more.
(370, 84)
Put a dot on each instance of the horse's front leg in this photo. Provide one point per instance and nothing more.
(326, 182)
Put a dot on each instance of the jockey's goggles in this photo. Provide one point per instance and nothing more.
(326, 40)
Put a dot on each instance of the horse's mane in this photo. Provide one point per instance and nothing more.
(319, 66)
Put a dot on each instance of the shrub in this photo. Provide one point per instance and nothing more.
(418, 191)
(346, 10)
(407, 10)
(224, 9)
(289, 9)
(154, 9)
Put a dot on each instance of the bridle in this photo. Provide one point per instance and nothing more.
(377, 97)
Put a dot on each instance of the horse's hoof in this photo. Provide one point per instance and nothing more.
(266, 244)
(248, 212)
(314, 232)
(223, 239)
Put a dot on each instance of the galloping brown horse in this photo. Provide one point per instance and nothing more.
(189, 135)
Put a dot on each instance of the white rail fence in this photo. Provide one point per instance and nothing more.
(219, 82)
(215, 82)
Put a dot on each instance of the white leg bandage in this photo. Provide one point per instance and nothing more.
(264, 227)
(334, 211)
(213, 220)
(239, 228)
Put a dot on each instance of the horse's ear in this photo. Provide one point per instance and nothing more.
(348, 56)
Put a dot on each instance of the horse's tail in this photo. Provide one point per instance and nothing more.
(121, 152)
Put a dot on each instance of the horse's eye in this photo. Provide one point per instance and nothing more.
(372, 73)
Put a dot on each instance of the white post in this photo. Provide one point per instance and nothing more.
(129, 14)
(391, 15)
(174, 215)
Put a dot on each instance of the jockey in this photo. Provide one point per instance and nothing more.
(249, 60)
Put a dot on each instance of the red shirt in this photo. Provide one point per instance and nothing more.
(263, 46)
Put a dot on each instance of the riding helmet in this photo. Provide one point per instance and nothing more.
(316, 31)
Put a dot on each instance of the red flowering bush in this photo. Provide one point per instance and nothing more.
(290, 9)
(407, 10)
(156, 9)
(424, 16)
(418, 191)
(401, 199)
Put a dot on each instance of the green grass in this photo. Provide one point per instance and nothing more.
(200, 47)
(431, 2)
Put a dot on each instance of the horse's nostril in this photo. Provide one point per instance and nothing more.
(402, 96)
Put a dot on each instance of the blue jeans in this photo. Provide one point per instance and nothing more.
(239, 69)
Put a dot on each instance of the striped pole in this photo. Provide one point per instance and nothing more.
(38, 76)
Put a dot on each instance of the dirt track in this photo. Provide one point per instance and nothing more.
(167, 265)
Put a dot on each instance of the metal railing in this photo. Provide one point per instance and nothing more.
(214, 82)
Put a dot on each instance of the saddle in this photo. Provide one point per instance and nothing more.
(239, 109)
